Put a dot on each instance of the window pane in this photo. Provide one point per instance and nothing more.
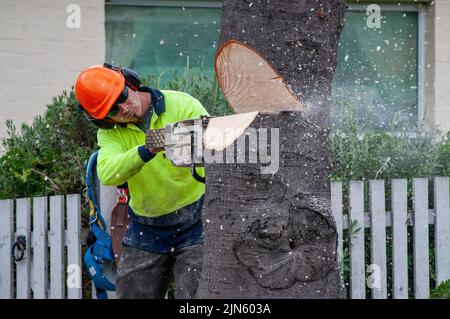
(153, 40)
(376, 72)
(377, 68)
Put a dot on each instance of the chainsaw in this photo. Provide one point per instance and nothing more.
(182, 142)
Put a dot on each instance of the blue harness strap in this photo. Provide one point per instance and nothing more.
(101, 248)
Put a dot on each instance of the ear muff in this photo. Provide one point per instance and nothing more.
(132, 79)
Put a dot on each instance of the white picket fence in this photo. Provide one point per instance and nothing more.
(51, 267)
(377, 219)
(47, 266)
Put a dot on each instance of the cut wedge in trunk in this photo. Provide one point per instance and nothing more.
(249, 82)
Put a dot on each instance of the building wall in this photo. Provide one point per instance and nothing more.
(40, 56)
(429, 65)
(442, 64)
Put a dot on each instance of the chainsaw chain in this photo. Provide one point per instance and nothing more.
(155, 138)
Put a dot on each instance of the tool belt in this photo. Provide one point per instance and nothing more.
(119, 221)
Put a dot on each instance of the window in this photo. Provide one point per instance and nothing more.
(377, 72)
(378, 69)
(161, 39)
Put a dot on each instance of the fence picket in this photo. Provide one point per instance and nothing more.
(376, 219)
(378, 239)
(6, 242)
(336, 208)
(56, 240)
(420, 238)
(357, 264)
(74, 247)
(23, 267)
(442, 228)
(39, 270)
(399, 239)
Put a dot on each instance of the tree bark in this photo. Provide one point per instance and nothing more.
(298, 37)
(273, 235)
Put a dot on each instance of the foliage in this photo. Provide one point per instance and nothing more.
(198, 85)
(361, 153)
(442, 291)
(47, 156)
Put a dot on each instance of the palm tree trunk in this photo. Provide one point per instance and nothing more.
(273, 235)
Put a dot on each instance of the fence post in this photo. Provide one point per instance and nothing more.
(357, 264)
(107, 199)
(6, 242)
(442, 229)
(56, 240)
(23, 267)
(40, 246)
(378, 238)
(74, 273)
(399, 239)
(336, 209)
(420, 237)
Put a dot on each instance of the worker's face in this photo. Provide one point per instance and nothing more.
(130, 110)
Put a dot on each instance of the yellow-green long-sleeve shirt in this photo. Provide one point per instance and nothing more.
(157, 187)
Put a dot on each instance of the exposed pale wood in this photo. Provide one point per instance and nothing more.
(250, 83)
(221, 132)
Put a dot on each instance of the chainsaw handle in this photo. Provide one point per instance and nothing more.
(195, 174)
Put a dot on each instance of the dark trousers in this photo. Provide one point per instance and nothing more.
(145, 275)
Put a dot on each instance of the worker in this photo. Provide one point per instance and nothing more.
(164, 239)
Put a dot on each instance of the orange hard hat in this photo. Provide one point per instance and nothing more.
(98, 88)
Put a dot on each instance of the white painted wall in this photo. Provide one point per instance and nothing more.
(442, 63)
(40, 56)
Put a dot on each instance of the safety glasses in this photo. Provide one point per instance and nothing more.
(121, 99)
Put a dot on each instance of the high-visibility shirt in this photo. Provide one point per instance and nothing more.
(156, 186)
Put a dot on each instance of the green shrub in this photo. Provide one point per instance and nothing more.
(197, 84)
(47, 156)
(360, 152)
(442, 291)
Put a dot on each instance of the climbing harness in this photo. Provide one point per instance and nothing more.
(99, 241)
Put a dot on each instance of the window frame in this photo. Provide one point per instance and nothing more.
(155, 3)
(420, 47)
